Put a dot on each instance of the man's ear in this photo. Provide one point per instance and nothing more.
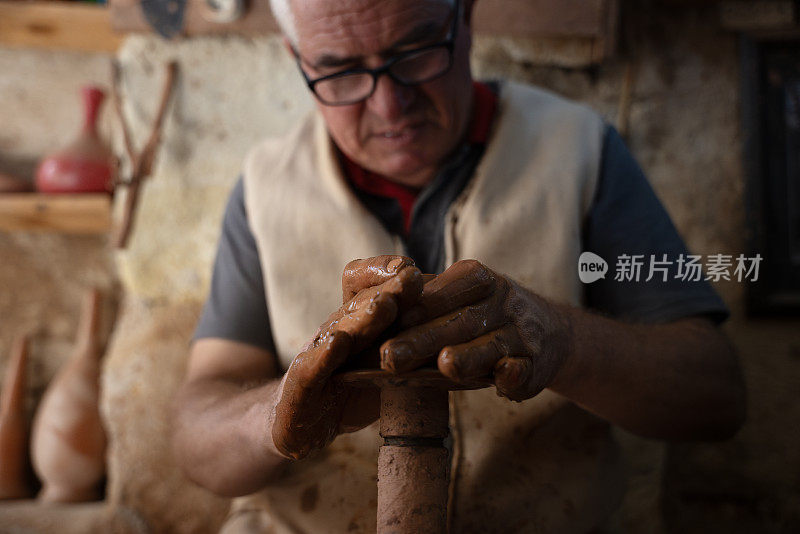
(468, 6)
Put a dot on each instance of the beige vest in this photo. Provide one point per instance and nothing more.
(543, 465)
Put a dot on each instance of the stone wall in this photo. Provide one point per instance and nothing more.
(684, 130)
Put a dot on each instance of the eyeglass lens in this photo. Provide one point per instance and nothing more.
(420, 67)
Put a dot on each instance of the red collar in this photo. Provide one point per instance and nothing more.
(483, 109)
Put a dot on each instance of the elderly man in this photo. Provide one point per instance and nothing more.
(495, 188)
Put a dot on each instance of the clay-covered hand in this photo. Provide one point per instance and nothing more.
(311, 408)
(475, 323)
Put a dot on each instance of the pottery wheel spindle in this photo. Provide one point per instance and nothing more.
(413, 466)
(413, 463)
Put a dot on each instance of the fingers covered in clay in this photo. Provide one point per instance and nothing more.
(475, 324)
(363, 273)
(306, 420)
(307, 413)
(373, 308)
(463, 283)
(478, 358)
(366, 323)
(422, 343)
(368, 313)
(405, 286)
(516, 378)
(315, 365)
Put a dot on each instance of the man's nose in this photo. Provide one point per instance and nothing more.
(390, 100)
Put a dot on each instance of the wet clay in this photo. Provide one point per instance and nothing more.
(16, 480)
(412, 412)
(69, 440)
(363, 273)
(413, 466)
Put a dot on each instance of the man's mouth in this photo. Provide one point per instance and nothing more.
(405, 134)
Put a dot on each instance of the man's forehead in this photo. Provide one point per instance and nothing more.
(361, 26)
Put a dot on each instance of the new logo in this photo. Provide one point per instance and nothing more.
(591, 267)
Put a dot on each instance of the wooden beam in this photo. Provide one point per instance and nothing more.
(61, 25)
(604, 45)
(69, 214)
(541, 18)
(766, 15)
(523, 18)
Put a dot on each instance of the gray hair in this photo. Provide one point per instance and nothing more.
(282, 11)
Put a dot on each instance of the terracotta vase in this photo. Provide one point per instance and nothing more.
(16, 480)
(69, 441)
(86, 165)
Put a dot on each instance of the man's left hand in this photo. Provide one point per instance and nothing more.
(476, 323)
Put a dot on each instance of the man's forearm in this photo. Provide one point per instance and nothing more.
(223, 435)
(673, 381)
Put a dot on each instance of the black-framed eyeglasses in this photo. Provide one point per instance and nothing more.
(410, 67)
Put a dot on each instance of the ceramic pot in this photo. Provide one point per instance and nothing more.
(69, 441)
(86, 165)
(16, 480)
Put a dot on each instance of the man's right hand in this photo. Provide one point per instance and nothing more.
(312, 409)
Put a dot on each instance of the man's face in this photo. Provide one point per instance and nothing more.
(403, 133)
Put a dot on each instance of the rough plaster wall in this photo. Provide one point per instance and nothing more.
(230, 94)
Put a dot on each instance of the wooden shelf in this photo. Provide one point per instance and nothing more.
(69, 214)
(57, 25)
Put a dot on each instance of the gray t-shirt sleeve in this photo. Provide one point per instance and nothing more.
(627, 218)
(236, 307)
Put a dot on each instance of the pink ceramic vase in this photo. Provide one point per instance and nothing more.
(16, 481)
(69, 441)
(86, 165)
